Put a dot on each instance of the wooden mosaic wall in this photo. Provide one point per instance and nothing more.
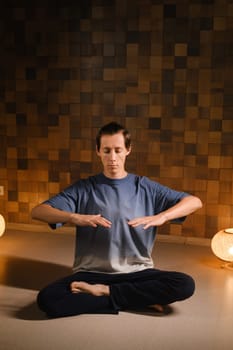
(162, 68)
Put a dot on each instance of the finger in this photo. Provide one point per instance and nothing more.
(137, 220)
(140, 221)
(102, 222)
(92, 224)
(105, 222)
(136, 223)
(133, 222)
(147, 226)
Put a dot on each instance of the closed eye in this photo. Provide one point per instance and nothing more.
(117, 150)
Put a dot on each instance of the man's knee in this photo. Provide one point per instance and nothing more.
(46, 305)
(42, 301)
(187, 288)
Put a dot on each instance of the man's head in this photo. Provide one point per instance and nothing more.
(113, 144)
(111, 129)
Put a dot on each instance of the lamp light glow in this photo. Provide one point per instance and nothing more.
(230, 250)
(222, 246)
(2, 225)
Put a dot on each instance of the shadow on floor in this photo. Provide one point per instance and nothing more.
(29, 274)
(30, 312)
(150, 311)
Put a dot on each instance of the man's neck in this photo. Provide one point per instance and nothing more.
(116, 176)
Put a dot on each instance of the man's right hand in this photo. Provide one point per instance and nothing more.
(89, 220)
(46, 213)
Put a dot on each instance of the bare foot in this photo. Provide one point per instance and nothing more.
(94, 289)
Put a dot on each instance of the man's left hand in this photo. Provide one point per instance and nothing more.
(148, 221)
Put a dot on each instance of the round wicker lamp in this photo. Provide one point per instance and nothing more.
(2, 225)
(222, 246)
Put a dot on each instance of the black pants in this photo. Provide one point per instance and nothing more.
(127, 291)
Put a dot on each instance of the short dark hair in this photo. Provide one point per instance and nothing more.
(112, 129)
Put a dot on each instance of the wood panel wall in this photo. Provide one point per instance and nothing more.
(162, 68)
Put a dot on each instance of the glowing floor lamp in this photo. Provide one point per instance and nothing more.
(222, 246)
(2, 225)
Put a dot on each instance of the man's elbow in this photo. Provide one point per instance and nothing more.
(197, 202)
(34, 213)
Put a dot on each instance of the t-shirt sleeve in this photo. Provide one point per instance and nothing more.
(65, 201)
(166, 198)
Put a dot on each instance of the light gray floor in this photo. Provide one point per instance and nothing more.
(30, 260)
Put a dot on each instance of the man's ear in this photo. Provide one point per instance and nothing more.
(129, 150)
(97, 152)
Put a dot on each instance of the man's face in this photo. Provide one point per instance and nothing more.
(113, 154)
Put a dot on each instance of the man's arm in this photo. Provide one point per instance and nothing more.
(50, 215)
(184, 207)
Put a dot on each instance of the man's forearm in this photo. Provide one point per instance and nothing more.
(186, 206)
(46, 213)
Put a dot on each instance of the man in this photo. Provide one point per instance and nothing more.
(116, 215)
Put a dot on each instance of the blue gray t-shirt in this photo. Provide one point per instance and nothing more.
(121, 248)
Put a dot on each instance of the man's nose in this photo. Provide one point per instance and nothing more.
(113, 155)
